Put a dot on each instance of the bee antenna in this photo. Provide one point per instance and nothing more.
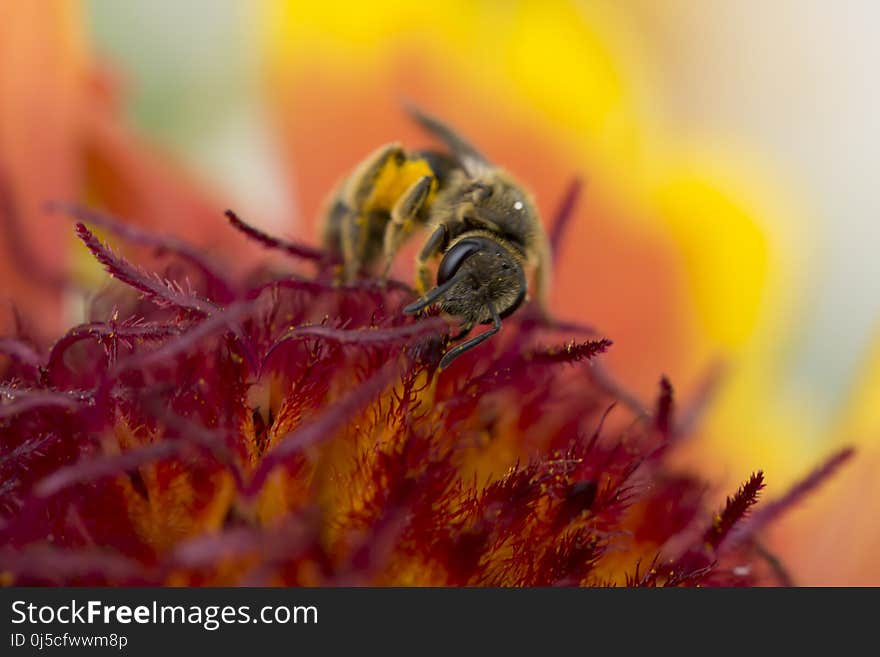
(433, 295)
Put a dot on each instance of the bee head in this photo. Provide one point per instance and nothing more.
(477, 272)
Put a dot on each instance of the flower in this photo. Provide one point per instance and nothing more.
(109, 477)
(279, 428)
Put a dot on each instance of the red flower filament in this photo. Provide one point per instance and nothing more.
(280, 428)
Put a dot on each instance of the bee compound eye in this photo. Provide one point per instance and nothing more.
(457, 254)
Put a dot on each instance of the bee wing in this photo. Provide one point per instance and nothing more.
(472, 161)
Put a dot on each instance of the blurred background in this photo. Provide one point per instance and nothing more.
(731, 152)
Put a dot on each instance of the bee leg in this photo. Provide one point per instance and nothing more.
(403, 216)
(363, 180)
(351, 231)
(467, 328)
(354, 230)
(433, 246)
(457, 351)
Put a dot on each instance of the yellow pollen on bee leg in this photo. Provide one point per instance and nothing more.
(395, 179)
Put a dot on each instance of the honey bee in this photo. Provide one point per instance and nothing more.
(484, 228)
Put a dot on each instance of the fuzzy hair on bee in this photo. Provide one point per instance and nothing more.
(483, 227)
